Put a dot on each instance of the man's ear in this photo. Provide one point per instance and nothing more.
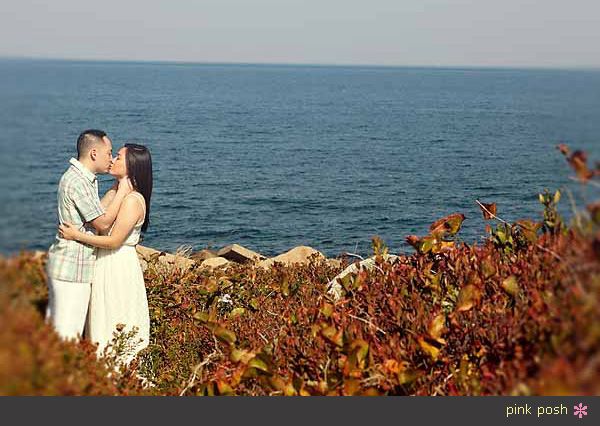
(93, 154)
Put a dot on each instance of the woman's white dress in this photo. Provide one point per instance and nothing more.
(119, 295)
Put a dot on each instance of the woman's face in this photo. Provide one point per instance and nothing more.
(118, 167)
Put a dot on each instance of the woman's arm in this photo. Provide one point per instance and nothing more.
(103, 222)
(109, 196)
(129, 214)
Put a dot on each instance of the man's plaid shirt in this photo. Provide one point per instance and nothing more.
(78, 203)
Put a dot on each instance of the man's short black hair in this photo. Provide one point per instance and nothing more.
(87, 139)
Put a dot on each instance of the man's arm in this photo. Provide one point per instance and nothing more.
(129, 215)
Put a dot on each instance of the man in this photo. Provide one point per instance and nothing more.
(70, 263)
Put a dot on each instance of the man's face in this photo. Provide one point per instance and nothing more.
(104, 156)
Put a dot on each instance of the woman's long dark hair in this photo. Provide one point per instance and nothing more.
(139, 170)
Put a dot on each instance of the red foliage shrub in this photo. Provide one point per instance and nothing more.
(519, 314)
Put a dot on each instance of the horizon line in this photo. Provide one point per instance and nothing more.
(304, 64)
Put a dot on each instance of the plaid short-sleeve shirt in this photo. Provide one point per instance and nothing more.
(78, 203)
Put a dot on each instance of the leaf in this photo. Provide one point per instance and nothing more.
(445, 246)
(224, 284)
(563, 148)
(304, 392)
(225, 335)
(529, 229)
(259, 364)
(210, 287)
(429, 349)
(254, 304)
(556, 197)
(351, 386)
(237, 312)
(289, 390)
(327, 310)
(285, 286)
(241, 355)
(594, 210)
(201, 316)
(488, 210)
(427, 244)
(437, 327)
(467, 298)
(360, 348)
(578, 161)
(488, 268)
(224, 388)
(333, 335)
(511, 286)
(279, 384)
(391, 366)
(401, 369)
(347, 281)
(379, 247)
(406, 376)
(450, 224)
(414, 241)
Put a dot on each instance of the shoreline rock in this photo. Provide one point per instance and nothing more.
(214, 262)
(148, 254)
(202, 255)
(298, 255)
(239, 254)
(231, 254)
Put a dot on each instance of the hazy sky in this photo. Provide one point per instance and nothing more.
(563, 33)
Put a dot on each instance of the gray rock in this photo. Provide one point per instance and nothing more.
(239, 254)
(334, 263)
(146, 253)
(214, 262)
(202, 255)
(172, 260)
(298, 255)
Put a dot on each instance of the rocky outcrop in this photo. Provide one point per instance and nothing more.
(147, 254)
(172, 260)
(298, 255)
(334, 263)
(214, 262)
(334, 287)
(239, 254)
(202, 255)
(233, 253)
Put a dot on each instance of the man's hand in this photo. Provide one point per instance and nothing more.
(125, 185)
(68, 231)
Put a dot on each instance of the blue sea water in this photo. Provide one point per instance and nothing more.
(274, 156)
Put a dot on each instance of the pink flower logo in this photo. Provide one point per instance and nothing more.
(580, 410)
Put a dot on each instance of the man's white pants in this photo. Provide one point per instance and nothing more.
(68, 306)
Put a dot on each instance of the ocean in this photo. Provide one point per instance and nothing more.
(276, 156)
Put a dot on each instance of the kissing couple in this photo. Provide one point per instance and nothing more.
(95, 282)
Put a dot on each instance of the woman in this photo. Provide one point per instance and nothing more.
(118, 290)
